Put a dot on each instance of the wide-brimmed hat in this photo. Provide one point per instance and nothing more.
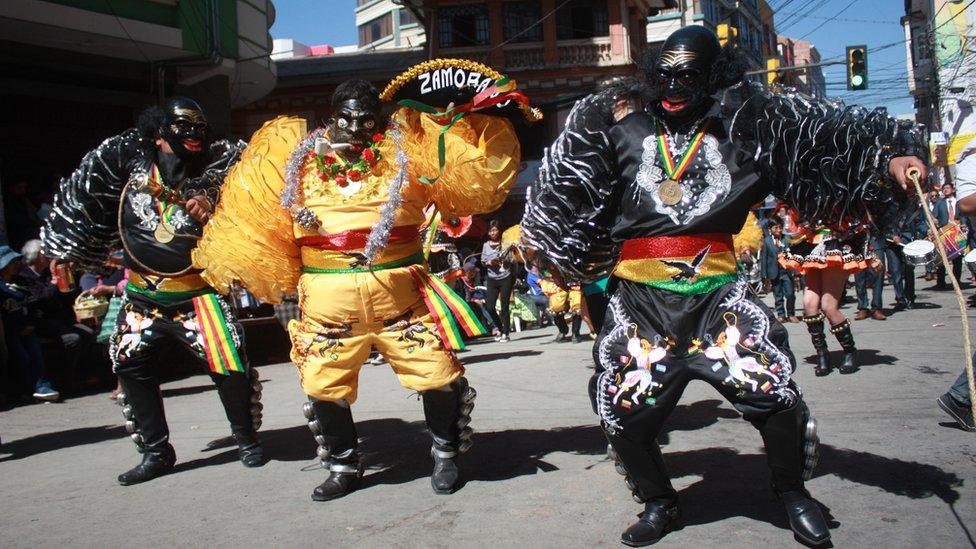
(7, 255)
(470, 86)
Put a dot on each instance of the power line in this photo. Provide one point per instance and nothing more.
(849, 6)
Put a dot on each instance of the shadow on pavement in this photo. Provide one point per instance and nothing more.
(865, 357)
(728, 476)
(49, 442)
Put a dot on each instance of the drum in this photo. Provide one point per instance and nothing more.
(919, 252)
(970, 260)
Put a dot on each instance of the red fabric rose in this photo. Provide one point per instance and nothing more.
(377, 137)
(328, 160)
(354, 175)
(369, 155)
(341, 180)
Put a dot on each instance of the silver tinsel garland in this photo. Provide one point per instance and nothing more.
(292, 202)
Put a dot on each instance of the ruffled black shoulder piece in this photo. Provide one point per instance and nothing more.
(223, 155)
(567, 207)
(82, 226)
(827, 160)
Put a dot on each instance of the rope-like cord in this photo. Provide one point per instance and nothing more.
(914, 174)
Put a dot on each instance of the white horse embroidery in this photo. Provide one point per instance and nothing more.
(725, 349)
(646, 356)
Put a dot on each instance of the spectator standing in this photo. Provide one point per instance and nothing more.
(873, 278)
(22, 343)
(943, 216)
(501, 280)
(776, 275)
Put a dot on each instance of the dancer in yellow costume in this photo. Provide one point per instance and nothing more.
(355, 191)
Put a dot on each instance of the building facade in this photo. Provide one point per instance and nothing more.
(77, 71)
(941, 71)
(386, 24)
(795, 53)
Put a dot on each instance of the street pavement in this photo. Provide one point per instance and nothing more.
(893, 471)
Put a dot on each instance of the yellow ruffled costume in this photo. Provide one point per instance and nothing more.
(347, 310)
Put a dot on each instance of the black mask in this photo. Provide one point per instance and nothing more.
(185, 128)
(679, 80)
(353, 122)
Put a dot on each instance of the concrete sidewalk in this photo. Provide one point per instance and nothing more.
(893, 472)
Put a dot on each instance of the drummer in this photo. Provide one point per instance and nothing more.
(914, 228)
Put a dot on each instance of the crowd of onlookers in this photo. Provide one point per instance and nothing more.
(888, 265)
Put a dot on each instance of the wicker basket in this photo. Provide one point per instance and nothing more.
(89, 307)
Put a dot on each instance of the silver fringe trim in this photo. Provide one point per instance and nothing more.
(380, 235)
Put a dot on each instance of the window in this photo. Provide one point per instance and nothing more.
(407, 18)
(521, 21)
(465, 25)
(377, 29)
(711, 11)
(582, 19)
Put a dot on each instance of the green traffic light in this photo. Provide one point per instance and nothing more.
(857, 80)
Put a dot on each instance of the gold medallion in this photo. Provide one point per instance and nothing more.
(164, 232)
(670, 192)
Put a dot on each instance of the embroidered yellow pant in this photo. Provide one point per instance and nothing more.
(345, 315)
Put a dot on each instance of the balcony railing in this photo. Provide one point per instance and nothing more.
(585, 52)
(525, 56)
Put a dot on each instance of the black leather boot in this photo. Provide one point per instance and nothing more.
(577, 323)
(843, 334)
(647, 478)
(448, 414)
(560, 321)
(815, 325)
(791, 442)
(658, 519)
(156, 462)
(335, 432)
(240, 394)
(145, 421)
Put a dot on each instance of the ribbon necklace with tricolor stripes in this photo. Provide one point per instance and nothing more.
(670, 191)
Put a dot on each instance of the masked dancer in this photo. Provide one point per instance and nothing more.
(149, 191)
(654, 195)
(356, 190)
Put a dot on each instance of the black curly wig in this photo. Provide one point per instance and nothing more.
(360, 90)
(150, 119)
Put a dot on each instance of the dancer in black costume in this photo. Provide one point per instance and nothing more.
(652, 196)
(149, 191)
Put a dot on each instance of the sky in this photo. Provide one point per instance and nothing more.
(831, 25)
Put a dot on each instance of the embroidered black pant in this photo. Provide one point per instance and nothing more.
(654, 342)
(145, 328)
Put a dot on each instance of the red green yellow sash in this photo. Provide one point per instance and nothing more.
(687, 264)
(674, 172)
(222, 357)
(451, 313)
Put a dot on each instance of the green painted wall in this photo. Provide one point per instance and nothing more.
(187, 15)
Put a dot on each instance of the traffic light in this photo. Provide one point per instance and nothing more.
(857, 67)
(727, 33)
(772, 71)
